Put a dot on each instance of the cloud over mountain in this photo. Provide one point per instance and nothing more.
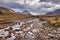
(34, 6)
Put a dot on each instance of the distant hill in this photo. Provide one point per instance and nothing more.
(24, 12)
(6, 10)
(56, 12)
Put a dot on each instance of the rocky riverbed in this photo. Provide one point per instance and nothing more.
(30, 29)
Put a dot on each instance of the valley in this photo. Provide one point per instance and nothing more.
(15, 26)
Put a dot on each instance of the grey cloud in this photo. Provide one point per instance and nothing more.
(55, 1)
(40, 7)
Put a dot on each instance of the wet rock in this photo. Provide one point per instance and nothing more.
(30, 29)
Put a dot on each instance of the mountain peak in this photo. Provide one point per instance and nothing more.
(26, 12)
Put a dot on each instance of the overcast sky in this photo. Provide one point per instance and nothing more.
(34, 6)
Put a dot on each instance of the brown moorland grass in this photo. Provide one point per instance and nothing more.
(7, 17)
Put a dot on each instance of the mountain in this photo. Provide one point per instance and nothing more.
(24, 12)
(56, 12)
(6, 10)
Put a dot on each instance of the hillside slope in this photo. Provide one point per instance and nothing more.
(6, 10)
(8, 14)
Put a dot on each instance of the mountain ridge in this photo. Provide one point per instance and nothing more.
(6, 10)
(56, 12)
(24, 12)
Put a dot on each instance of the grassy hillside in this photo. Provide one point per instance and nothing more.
(53, 20)
(7, 17)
